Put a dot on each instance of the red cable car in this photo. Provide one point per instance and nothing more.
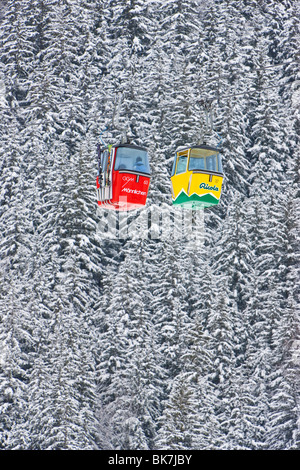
(123, 177)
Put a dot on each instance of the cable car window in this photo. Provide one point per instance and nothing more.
(174, 166)
(220, 169)
(132, 159)
(211, 163)
(181, 164)
(205, 159)
(197, 163)
(104, 159)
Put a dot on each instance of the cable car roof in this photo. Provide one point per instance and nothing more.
(138, 147)
(200, 146)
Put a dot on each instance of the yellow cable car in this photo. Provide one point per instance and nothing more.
(197, 176)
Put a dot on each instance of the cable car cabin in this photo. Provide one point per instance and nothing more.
(197, 177)
(123, 177)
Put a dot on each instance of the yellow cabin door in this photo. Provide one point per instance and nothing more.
(180, 176)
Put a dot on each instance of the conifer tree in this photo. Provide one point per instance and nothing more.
(178, 419)
(129, 369)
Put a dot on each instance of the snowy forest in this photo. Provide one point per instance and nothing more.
(144, 343)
